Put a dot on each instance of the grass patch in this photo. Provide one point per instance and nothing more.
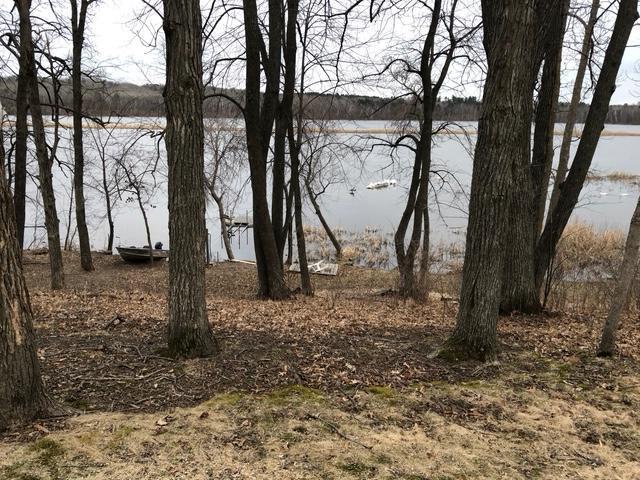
(119, 437)
(13, 472)
(47, 449)
(357, 469)
(225, 400)
(382, 391)
(294, 394)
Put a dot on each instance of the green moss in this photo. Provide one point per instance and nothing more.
(47, 449)
(300, 429)
(14, 472)
(383, 459)
(382, 390)
(357, 469)
(119, 437)
(48, 453)
(229, 399)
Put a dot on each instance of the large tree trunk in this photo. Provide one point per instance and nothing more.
(503, 132)
(44, 162)
(625, 277)
(22, 395)
(565, 148)
(78, 20)
(531, 176)
(594, 124)
(22, 132)
(189, 332)
(259, 126)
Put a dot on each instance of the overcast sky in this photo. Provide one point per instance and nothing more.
(127, 59)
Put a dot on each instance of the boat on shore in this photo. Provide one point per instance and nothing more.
(141, 254)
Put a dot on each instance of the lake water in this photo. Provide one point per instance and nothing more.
(347, 205)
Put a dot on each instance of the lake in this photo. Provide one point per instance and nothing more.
(349, 205)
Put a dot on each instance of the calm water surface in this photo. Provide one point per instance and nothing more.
(604, 204)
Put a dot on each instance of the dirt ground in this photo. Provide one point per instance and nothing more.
(342, 385)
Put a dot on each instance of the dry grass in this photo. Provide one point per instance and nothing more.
(427, 431)
(586, 262)
(370, 248)
(615, 176)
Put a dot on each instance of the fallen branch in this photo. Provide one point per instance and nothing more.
(334, 428)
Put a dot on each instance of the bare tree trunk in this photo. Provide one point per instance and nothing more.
(22, 394)
(417, 201)
(22, 132)
(146, 224)
(223, 225)
(545, 119)
(565, 148)
(67, 237)
(189, 332)
(78, 20)
(108, 206)
(503, 130)
(305, 278)
(528, 196)
(425, 262)
(625, 277)
(259, 125)
(327, 228)
(289, 229)
(44, 162)
(594, 124)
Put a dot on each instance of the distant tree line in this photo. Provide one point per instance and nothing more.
(105, 98)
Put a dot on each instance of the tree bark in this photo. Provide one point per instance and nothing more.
(528, 196)
(78, 21)
(22, 394)
(503, 130)
(565, 148)
(259, 120)
(44, 162)
(594, 124)
(305, 278)
(22, 133)
(282, 122)
(425, 261)
(545, 119)
(189, 331)
(625, 278)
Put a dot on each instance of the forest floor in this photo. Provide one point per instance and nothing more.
(341, 385)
